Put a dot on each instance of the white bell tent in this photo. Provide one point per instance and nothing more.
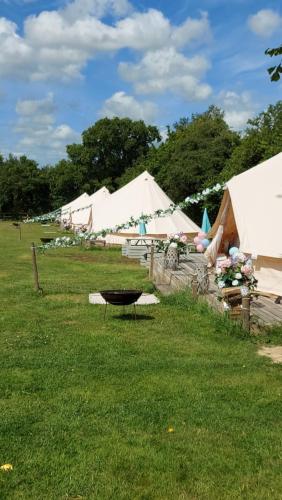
(141, 196)
(68, 209)
(84, 217)
(250, 217)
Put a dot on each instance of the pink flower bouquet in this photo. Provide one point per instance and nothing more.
(177, 240)
(236, 270)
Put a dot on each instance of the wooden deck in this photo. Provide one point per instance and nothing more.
(264, 311)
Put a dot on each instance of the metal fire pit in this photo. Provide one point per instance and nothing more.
(121, 298)
(46, 240)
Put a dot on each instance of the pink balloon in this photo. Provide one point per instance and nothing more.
(202, 235)
(197, 240)
(200, 248)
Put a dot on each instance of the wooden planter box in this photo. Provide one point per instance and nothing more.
(95, 243)
(233, 298)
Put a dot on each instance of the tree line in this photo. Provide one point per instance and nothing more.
(198, 152)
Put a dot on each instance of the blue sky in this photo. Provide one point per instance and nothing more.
(64, 64)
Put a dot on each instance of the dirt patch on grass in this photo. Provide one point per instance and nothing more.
(275, 353)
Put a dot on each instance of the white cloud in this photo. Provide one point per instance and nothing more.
(78, 9)
(41, 109)
(166, 69)
(40, 137)
(265, 22)
(15, 54)
(58, 44)
(191, 30)
(123, 105)
(238, 108)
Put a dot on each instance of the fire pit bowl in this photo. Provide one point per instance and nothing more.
(121, 297)
(46, 240)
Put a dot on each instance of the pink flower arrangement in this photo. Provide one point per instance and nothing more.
(177, 240)
(248, 270)
(225, 264)
(236, 270)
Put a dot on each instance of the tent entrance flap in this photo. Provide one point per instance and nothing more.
(230, 237)
(224, 231)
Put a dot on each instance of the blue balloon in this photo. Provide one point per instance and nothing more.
(233, 251)
(205, 243)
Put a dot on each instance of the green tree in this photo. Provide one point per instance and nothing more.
(192, 158)
(275, 71)
(23, 189)
(67, 181)
(262, 139)
(150, 162)
(110, 147)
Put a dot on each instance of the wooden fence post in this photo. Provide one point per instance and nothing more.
(151, 272)
(194, 285)
(35, 270)
(17, 225)
(246, 311)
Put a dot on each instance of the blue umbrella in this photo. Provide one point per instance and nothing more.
(142, 228)
(206, 225)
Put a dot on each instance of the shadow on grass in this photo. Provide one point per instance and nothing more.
(131, 316)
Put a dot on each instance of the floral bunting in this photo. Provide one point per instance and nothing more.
(55, 215)
(50, 217)
(146, 218)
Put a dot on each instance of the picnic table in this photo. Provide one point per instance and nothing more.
(141, 241)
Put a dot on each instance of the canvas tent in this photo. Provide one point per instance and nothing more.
(67, 211)
(141, 196)
(84, 217)
(250, 217)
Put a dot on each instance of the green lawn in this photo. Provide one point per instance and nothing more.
(86, 405)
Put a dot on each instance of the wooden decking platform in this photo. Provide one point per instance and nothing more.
(264, 311)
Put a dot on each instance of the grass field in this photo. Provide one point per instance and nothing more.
(86, 405)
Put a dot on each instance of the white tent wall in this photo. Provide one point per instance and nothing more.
(81, 218)
(93, 202)
(268, 272)
(257, 204)
(66, 210)
(256, 209)
(141, 196)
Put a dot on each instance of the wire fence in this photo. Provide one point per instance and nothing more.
(12, 216)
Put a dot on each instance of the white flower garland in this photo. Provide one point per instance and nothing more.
(53, 216)
(76, 240)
